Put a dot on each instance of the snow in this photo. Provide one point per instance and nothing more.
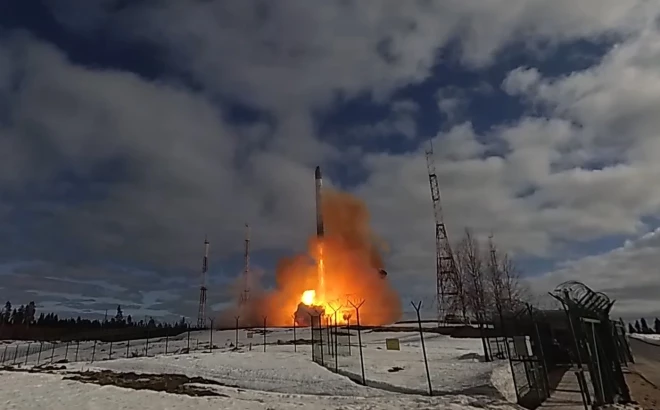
(22, 391)
(455, 366)
(648, 338)
(644, 336)
(273, 372)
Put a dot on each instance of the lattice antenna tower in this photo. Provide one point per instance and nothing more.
(245, 294)
(446, 271)
(201, 313)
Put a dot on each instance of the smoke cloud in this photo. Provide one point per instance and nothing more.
(352, 256)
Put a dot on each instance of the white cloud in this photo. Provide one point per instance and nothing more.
(627, 274)
(188, 172)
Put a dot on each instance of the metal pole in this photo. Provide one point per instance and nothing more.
(265, 317)
(110, 352)
(41, 346)
(357, 306)
(236, 344)
(211, 336)
(311, 331)
(128, 346)
(295, 349)
(336, 343)
(66, 352)
(146, 345)
(167, 339)
(188, 339)
(348, 330)
(27, 353)
(77, 347)
(94, 351)
(52, 352)
(4, 354)
(321, 338)
(327, 329)
(15, 354)
(421, 337)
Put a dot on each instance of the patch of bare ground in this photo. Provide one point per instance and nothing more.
(169, 383)
(644, 393)
(35, 369)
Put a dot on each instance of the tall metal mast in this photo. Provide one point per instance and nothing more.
(446, 271)
(201, 313)
(245, 295)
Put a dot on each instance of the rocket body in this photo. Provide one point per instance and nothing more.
(320, 231)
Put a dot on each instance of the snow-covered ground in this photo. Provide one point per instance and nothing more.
(282, 375)
(22, 391)
(652, 338)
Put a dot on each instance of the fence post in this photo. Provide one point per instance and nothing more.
(357, 307)
(265, 317)
(311, 331)
(41, 346)
(188, 339)
(110, 352)
(77, 347)
(321, 338)
(335, 341)
(546, 379)
(348, 330)
(329, 334)
(52, 352)
(15, 355)
(236, 342)
(93, 351)
(146, 345)
(167, 339)
(295, 349)
(27, 353)
(417, 307)
(128, 346)
(66, 352)
(4, 354)
(211, 336)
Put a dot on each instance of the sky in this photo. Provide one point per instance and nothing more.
(129, 130)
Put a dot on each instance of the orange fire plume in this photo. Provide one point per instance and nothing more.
(346, 265)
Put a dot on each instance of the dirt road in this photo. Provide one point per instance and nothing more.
(647, 359)
(645, 390)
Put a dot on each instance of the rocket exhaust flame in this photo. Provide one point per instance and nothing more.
(343, 263)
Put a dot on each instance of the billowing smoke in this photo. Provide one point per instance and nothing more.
(353, 262)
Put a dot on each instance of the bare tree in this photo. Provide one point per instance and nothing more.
(508, 291)
(471, 268)
(515, 288)
(496, 278)
(458, 279)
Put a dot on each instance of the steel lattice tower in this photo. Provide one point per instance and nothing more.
(446, 272)
(201, 313)
(245, 294)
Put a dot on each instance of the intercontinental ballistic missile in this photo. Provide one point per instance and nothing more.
(319, 214)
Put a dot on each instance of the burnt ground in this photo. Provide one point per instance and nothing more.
(168, 383)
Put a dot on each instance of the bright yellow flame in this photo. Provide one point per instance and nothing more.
(308, 297)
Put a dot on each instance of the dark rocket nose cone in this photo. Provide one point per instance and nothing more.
(317, 173)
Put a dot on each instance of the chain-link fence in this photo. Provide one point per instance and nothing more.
(418, 357)
(44, 352)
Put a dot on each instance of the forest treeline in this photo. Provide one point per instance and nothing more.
(23, 323)
(641, 326)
